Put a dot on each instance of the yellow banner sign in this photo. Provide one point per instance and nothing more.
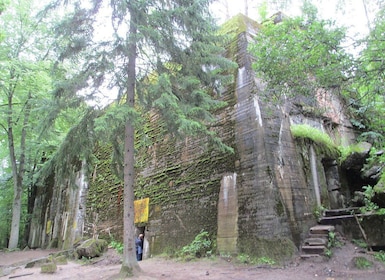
(141, 210)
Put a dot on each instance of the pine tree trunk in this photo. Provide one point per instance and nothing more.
(129, 263)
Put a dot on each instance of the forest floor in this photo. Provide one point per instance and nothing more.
(339, 266)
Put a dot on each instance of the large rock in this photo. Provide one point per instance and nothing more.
(355, 161)
(91, 248)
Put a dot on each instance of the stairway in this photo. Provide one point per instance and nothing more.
(317, 242)
(335, 216)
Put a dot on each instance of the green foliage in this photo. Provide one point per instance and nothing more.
(362, 263)
(247, 259)
(265, 260)
(321, 139)
(3, 5)
(372, 137)
(262, 10)
(348, 150)
(380, 256)
(368, 87)
(118, 246)
(328, 252)
(319, 211)
(322, 63)
(201, 246)
(333, 240)
(244, 258)
(360, 243)
(25, 85)
(370, 206)
(6, 196)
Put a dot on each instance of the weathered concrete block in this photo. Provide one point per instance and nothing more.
(91, 248)
(48, 268)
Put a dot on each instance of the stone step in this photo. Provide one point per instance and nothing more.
(316, 241)
(322, 229)
(309, 256)
(319, 235)
(311, 250)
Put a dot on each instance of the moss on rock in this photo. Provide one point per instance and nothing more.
(91, 248)
(49, 268)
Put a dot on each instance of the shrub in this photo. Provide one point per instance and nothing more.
(118, 246)
(201, 246)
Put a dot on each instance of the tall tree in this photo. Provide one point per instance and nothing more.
(174, 41)
(24, 82)
(368, 88)
(323, 62)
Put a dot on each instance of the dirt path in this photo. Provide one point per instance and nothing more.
(337, 268)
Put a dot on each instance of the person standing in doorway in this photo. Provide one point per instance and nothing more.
(139, 247)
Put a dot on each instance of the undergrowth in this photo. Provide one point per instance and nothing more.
(246, 259)
(118, 246)
(201, 246)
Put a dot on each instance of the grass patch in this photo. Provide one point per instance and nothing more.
(321, 139)
(362, 263)
(247, 259)
(348, 150)
(380, 256)
(360, 243)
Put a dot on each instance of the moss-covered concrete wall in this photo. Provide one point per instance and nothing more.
(105, 197)
(182, 178)
(273, 201)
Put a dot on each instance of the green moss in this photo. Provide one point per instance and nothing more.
(61, 260)
(91, 248)
(49, 268)
(348, 150)
(276, 249)
(169, 173)
(279, 208)
(238, 24)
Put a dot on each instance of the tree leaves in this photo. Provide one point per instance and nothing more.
(300, 54)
